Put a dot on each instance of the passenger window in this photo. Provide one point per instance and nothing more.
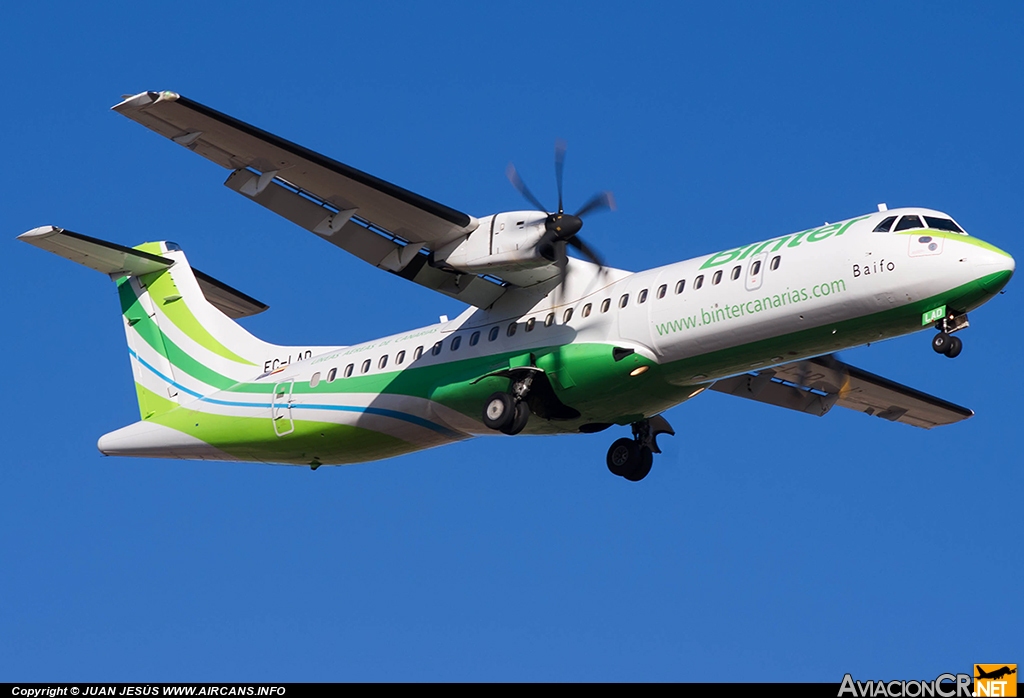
(349, 369)
(908, 223)
(511, 329)
(456, 343)
(755, 267)
(549, 320)
(567, 316)
(331, 375)
(586, 310)
(884, 226)
(624, 301)
(400, 357)
(366, 366)
(698, 282)
(530, 323)
(474, 338)
(314, 380)
(605, 304)
(383, 361)
(776, 260)
(943, 224)
(680, 285)
(417, 354)
(661, 290)
(436, 349)
(716, 278)
(643, 297)
(735, 273)
(493, 334)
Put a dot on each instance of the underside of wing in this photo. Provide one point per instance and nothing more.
(388, 226)
(814, 386)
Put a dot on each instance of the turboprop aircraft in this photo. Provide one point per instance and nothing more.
(550, 344)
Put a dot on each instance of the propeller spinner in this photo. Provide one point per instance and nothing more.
(561, 228)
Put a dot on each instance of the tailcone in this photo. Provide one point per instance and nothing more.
(151, 440)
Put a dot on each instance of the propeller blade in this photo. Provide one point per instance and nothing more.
(559, 168)
(520, 186)
(602, 201)
(586, 251)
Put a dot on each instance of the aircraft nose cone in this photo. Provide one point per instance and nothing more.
(994, 268)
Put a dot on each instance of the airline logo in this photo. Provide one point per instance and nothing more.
(995, 680)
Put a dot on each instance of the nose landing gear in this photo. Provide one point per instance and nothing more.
(633, 458)
(944, 342)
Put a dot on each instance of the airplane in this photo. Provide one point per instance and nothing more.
(549, 343)
(994, 674)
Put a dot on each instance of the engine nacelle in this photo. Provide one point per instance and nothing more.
(502, 243)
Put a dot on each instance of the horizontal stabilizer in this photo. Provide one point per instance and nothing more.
(106, 257)
(227, 300)
(815, 385)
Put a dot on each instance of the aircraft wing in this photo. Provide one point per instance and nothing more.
(388, 226)
(814, 386)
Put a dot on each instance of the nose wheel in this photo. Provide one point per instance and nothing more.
(947, 344)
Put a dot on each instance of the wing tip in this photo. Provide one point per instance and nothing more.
(144, 99)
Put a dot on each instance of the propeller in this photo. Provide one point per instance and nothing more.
(562, 229)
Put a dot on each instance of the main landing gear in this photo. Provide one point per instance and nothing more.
(508, 412)
(633, 458)
(944, 342)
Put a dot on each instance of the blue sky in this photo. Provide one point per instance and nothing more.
(765, 545)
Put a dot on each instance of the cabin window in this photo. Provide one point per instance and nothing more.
(680, 285)
(366, 366)
(908, 223)
(755, 267)
(698, 282)
(776, 260)
(493, 334)
(586, 310)
(349, 369)
(314, 380)
(456, 343)
(436, 349)
(943, 224)
(549, 320)
(735, 272)
(642, 298)
(624, 301)
(716, 278)
(417, 354)
(661, 290)
(383, 361)
(474, 338)
(605, 304)
(331, 375)
(885, 225)
(400, 357)
(530, 323)
(567, 316)
(511, 329)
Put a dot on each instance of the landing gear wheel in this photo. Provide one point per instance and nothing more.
(941, 343)
(645, 459)
(955, 347)
(519, 420)
(499, 411)
(622, 456)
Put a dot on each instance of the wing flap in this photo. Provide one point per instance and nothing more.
(816, 385)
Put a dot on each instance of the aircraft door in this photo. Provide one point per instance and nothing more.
(755, 271)
(634, 318)
(281, 408)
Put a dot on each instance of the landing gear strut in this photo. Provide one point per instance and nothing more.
(633, 458)
(944, 342)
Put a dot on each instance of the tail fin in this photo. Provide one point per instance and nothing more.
(182, 342)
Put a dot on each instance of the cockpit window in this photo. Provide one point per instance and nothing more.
(943, 224)
(908, 223)
(885, 225)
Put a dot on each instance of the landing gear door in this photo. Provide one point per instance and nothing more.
(281, 408)
(755, 271)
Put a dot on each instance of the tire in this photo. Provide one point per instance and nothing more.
(956, 346)
(623, 456)
(499, 411)
(643, 466)
(519, 420)
(940, 343)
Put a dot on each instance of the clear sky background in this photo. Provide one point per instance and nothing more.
(765, 544)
